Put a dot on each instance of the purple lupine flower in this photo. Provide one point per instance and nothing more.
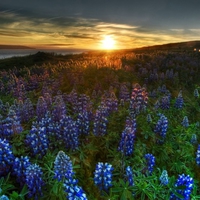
(11, 125)
(196, 93)
(100, 122)
(150, 162)
(161, 126)
(194, 139)
(164, 180)
(103, 176)
(129, 176)
(185, 122)
(179, 101)
(124, 93)
(19, 167)
(165, 103)
(83, 122)
(41, 108)
(69, 133)
(127, 137)
(62, 166)
(4, 197)
(139, 98)
(149, 119)
(37, 141)
(6, 157)
(74, 192)
(198, 156)
(28, 110)
(187, 182)
(59, 109)
(34, 181)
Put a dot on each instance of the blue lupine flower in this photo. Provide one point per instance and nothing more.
(196, 93)
(4, 197)
(149, 119)
(34, 181)
(100, 121)
(103, 176)
(59, 110)
(69, 133)
(6, 157)
(164, 178)
(83, 122)
(194, 139)
(37, 141)
(129, 176)
(139, 99)
(150, 162)
(41, 108)
(161, 126)
(185, 122)
(19, 167)
(124, 93)
(165, 103)
(179, 101)
(62, 166)
(74, 192)
(183, 180)
(127, 137)
(198, 156)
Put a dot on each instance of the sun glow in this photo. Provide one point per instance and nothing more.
(108, 42)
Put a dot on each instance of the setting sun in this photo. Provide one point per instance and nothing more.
(108, 42)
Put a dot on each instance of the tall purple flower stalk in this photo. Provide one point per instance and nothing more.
(150, 159)
(161, 126)
(37, 141)
(34, 181)
(127, 138)
(6, 157)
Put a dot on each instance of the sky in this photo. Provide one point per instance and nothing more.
(83, 24)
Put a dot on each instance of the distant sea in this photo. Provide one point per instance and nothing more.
(8, 53)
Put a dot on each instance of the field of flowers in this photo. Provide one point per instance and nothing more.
(102, 125)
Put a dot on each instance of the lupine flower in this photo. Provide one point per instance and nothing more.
(19, 167)
(4, 197)
(183, 180)
(103, 176)
(194, 139)
(149, 119)
(37, 141)
(127, 137)
(11, 125)
(74, 192)
(198, 156)
(185, 122)
(100, 122)
(34, 181)
(124, 93)
(165, 103)
(62, 166)
(164, 178)
(150, 162)
(83, 122)
(139, 99)
(59, 110)
(179, 101)
(196, 93)
(6, 157)
(129, 176)
(161, 126)
(41, 108)
(69, 133)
